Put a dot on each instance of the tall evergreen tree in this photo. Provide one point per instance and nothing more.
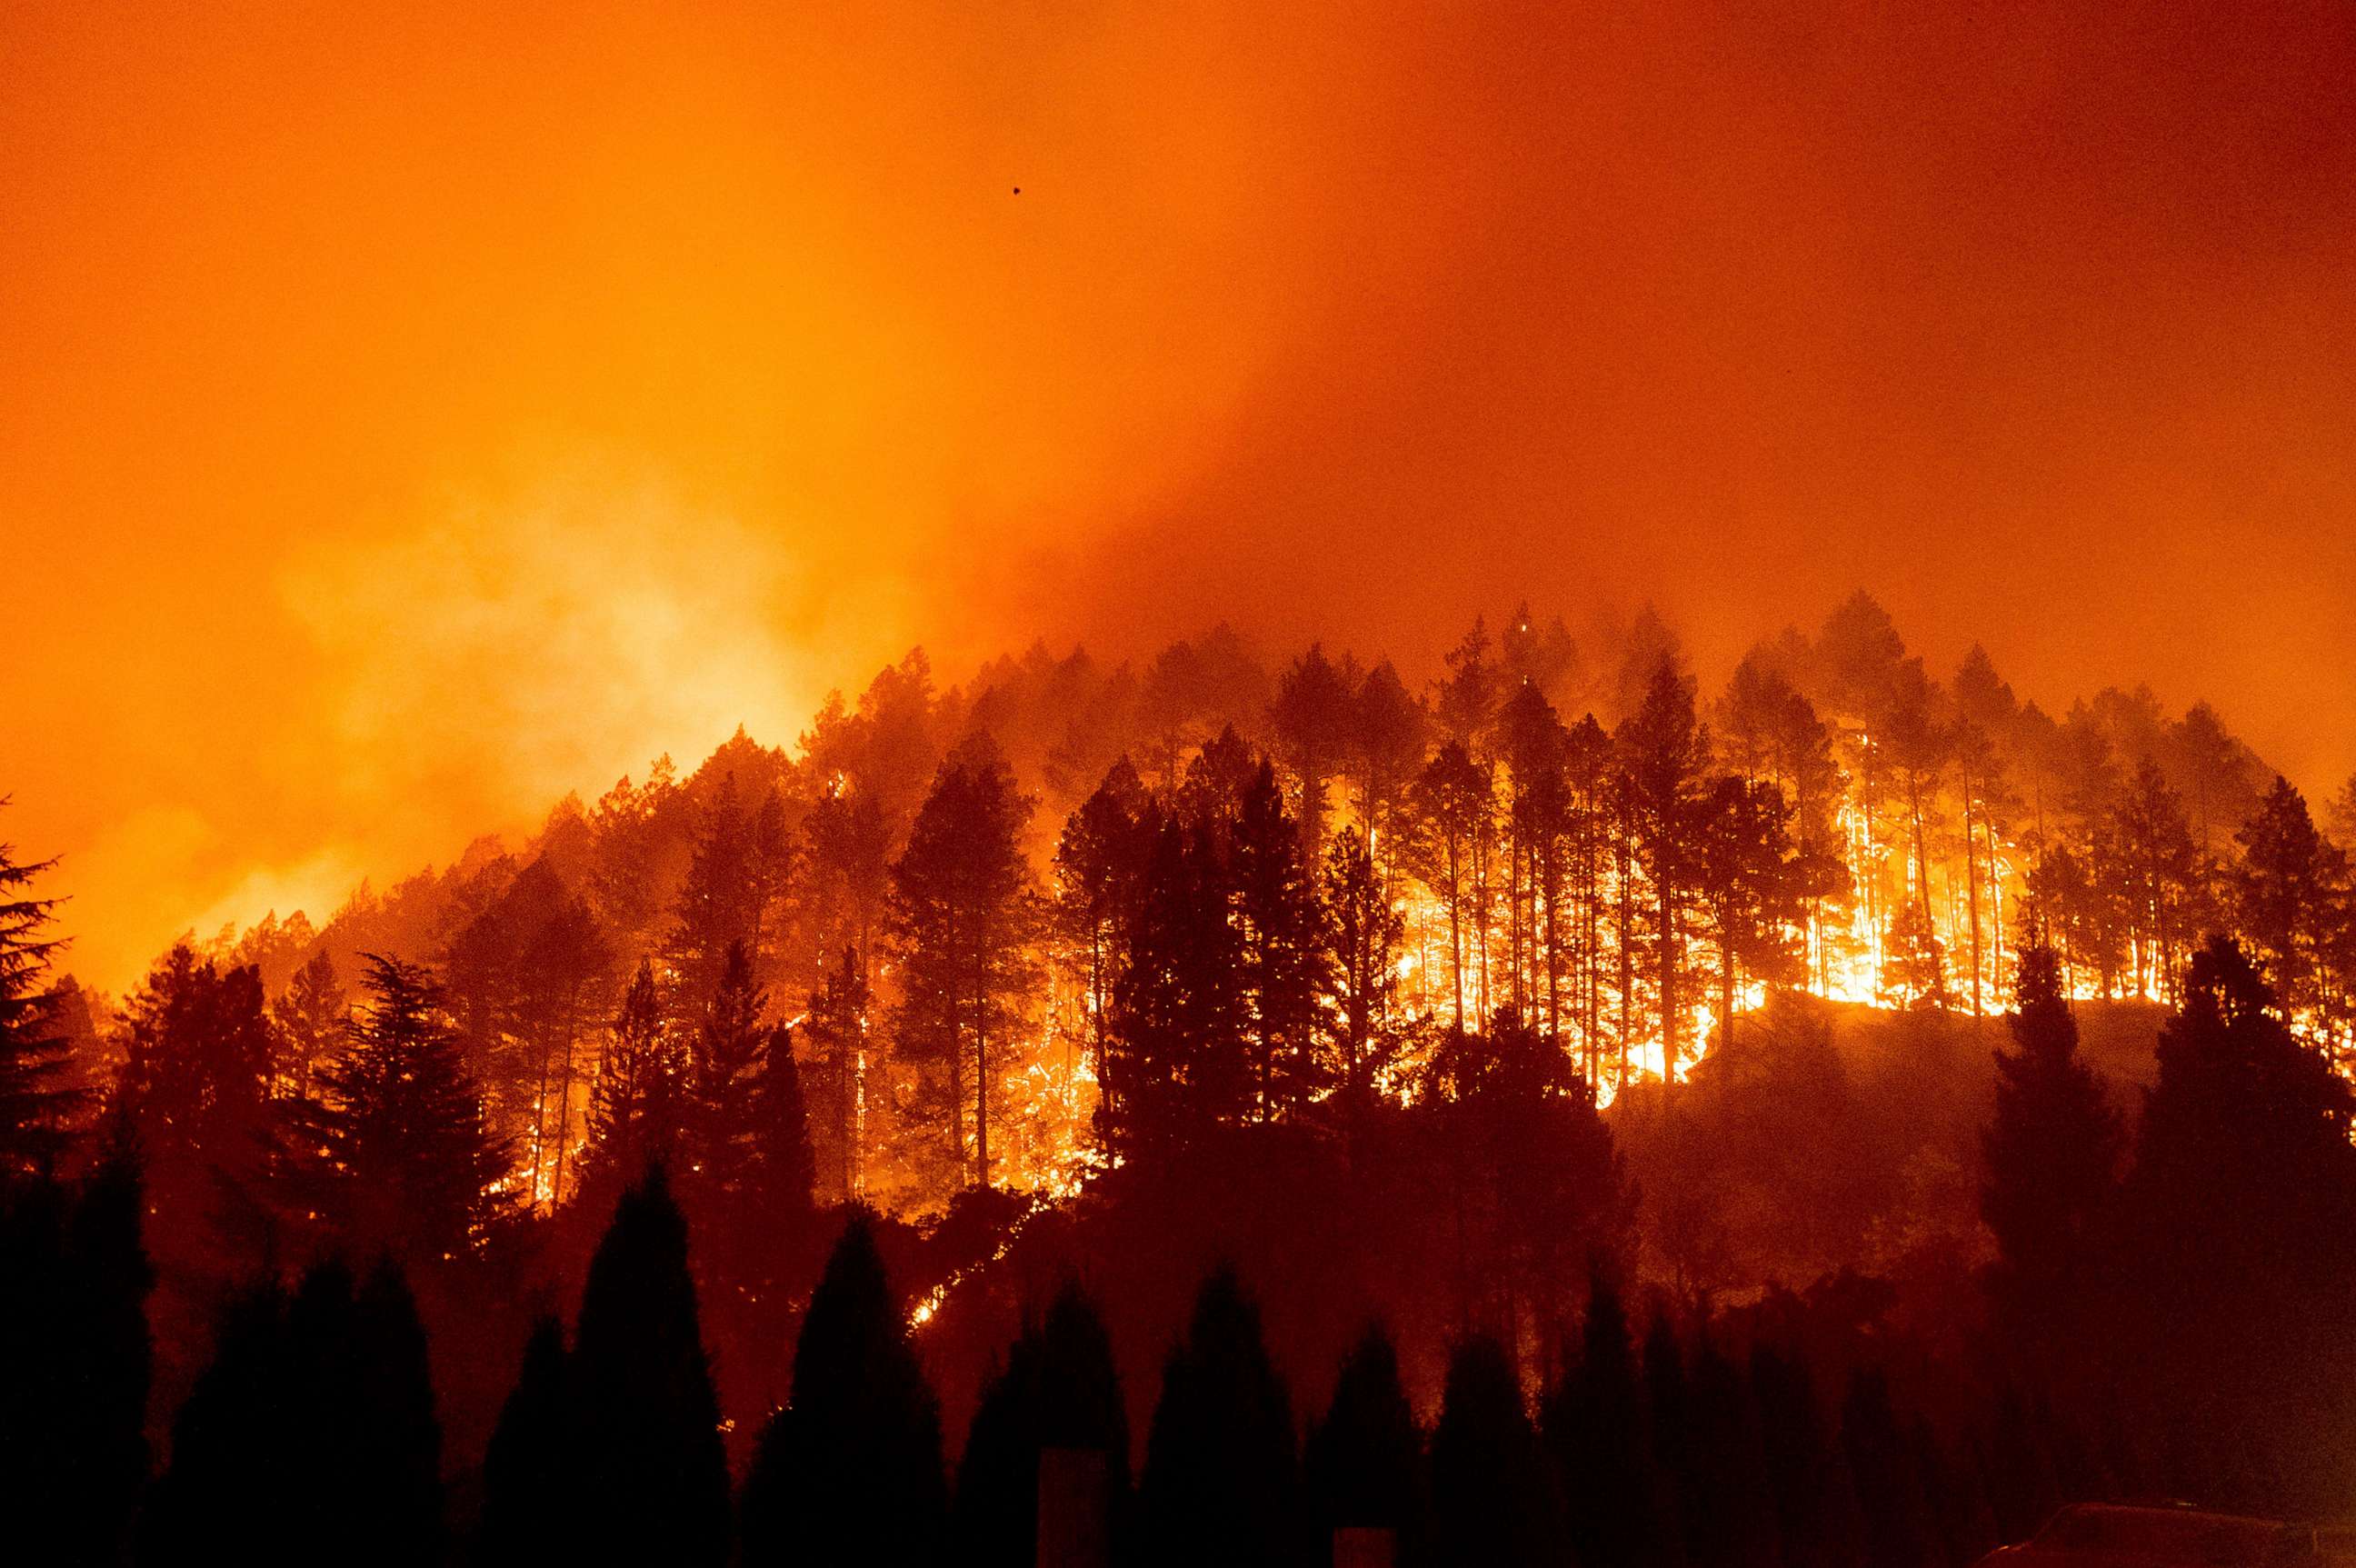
(1664, 751)
(313, 1017)
(73, 1286)
(636, 1103)
(1599, 1430)
(2050, 1161)
(1284, 972)
(1220, 1483)
(1058, 1389)
(1363, 1467)
(849, 1470)
(35, 1102)
(1493, 1499)
(963, 916)
(2237, 1214)
(410, 1165)
(649, 1475)
(531, 1502)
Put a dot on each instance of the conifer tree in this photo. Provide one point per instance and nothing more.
(649, 1475)
(1362, 932)
(410, 1165)
(73, 1285)
(1363, 1467)
(837, 1032)
(2050, 1158)
(1283, 973)
(638, 1101)
(850, 1471)
(962, 916)
(2237, 1213)
(1885, 1468)
(1663, 754)
(531, 1500)
(1220, 1482)
(312, 1017)
(1734, 1525)
(35, 1102)
(1599, 1431)
(1058, 1389)
(1493, 1499)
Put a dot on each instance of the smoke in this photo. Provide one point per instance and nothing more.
(417, 418)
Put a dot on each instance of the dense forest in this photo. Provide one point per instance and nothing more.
(1818, 1123)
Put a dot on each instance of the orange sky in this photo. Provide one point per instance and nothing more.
(409, 416)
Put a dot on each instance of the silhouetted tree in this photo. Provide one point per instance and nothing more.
(1807, 1478)
(963, 916)
(1493, 1499)
(1663, 754)
(1058, 1389)
(73, 1285)
(1282, 960)
(1362, 932)
(34, 1100)
(649, 1474)
(2238, 1211)
(1886, 1471)
(531, 1502)
(1363, 1467)
(2050, 1161)
(312, 1017)
(409, 1163)
(1220, 1482)
(1599, 1432)
(1732, 1523)
(637, 1101)
(314, 1423)
(849, 1470)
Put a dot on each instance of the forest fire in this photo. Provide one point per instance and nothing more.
(1431, 786)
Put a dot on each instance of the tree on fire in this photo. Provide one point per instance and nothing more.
(963, 913)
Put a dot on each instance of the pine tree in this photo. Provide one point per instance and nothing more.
(2049, 1159)
(36, 1105)
(1220, 1482)
(1734, 1526)
(719, 1116)
(2237, 1213)
(410, 1165)
(312, 1017)
(850, 1471)
(1663, 753)
(1363, 1467)
(649, 1475)
(963, 913)
(1283, 972)
(531, 1500)
(638, 1101)
(73, 1285)
(837, 1032)
(1598, 1429)
(1492, 1498)
(1899, 1531)
(1362, 932)
(1058, 1389)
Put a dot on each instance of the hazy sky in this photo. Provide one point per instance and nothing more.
(409, 416)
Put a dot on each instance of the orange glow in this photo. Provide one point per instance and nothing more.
(414, 414)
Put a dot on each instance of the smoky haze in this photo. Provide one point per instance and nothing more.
(413, 420)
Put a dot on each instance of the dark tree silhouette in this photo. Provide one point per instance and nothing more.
(850, 1471)
(34, 1100)
(74, 1281)
(2050, 1165)
(649, 1473)
(1899, 1530)
(1493, 1498)
(1220, 1482)
(2238, 1211)
(409, 1164)
(1599, 1432)
(1058, 1389)
(1363, 1467)
(315, 1423)
(531, 1494)
(963, 914)
(1281, 965)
